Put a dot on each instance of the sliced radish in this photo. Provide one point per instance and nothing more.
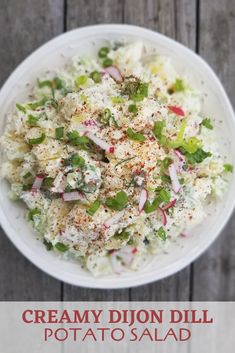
(142, 200)
(180, 160)
(170, 205)
(129, 249)
(163, 216)
(37, 182)
(99, 142)
(174, 178)
(116, 264)
(59, 183)
(126, 258)
(184, 235)
(89, 122)
(126, 255)
(113, 220)
(72, 196)
(177, 110)
(115, 73)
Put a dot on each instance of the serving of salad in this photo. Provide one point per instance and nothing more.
(113, 158)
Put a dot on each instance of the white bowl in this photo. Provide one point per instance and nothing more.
(86, 40)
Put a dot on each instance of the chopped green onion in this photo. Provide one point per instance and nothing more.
(178, 86)
(77, 161)
(26, 187)
(45, 83)
(81, 80)
(161, 233)
(47, 244)
(207, 123)
(151, 207)
(94, 207)
(76, 140)
(191, 145)
(107, 62)
(103, 52)
(105, 117)
(84, 98)
(123, 161)
(141, 92)
(28, 175)
(118, 202)
(32, 120)
(54, 103)
(96, 76)
(117, 100)
(166, 162)
(158, 131)
(48, 182)
(196, 157)
(37, 104)
(165, 178)
(228, 168)
(37, 141)
(123, 235)
(59, 133)
(179, 139)
(136, 136)
(58, 83)
(21, 108)
(33, 213)
(114, 121)
(133, 109)
(61, 247)
(164, 195)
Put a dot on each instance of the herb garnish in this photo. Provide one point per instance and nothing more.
(118, 202)
(59, 133)
(76, 140)
(228, 168)
(207, 123)
(93, 207)
(136, 136)
(61, 247)
(37, 140)
(161, 233)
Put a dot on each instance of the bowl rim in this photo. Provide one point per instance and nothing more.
(50, 268)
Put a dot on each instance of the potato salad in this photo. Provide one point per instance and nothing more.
(113, 158)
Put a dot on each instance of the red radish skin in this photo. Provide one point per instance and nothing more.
(99, 142)
(177, 110)
(142, 200)
(170, 205)
(110, 221)
(163, 216)
(115, 73)
(174, 178)
(89, 122)
(180, 160)
(37, 183)
(72, 196)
